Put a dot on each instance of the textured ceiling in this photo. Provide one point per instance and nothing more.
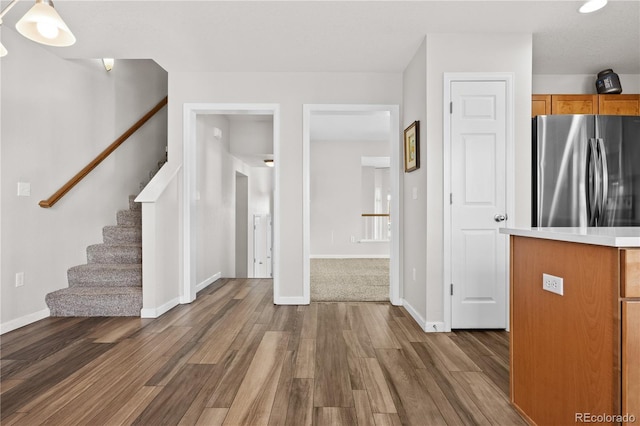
(342, 36)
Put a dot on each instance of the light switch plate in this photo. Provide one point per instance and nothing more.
(24, 189)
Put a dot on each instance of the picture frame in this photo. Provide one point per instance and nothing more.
(412, 147)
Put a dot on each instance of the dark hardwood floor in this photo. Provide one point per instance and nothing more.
(232, 357)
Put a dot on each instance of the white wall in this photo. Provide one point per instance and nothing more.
(336, 198)
(579, 83)
(471, 53)
(290, 91)
(251, 137)
(215, 182)
(414, 233)
(57, 115)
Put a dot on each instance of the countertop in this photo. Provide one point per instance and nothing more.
(612, 237)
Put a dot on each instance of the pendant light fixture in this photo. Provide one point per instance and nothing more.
(41, 24)
(592, 6)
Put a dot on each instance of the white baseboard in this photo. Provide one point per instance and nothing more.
(435, 327)
(156, 312)
(207, 282)
(290, 301)
(427, 326)
(416, 316)
(349, 256)
(25, 320)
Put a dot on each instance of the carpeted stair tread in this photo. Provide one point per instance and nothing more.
(105, 274)
(114, 253)
(129, 217)
(122, 234)
(95, 301)
(133, 205)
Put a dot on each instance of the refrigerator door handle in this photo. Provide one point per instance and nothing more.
(604, 180)
(593, 182)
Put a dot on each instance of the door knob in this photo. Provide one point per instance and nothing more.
(500, 217)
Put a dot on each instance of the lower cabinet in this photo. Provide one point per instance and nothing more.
(576, 354)
(631, 358)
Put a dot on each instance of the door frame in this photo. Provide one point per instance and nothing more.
(189, 223)
(449, 78)
(396, 190)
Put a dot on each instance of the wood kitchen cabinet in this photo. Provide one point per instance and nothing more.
(585, 104)
(574, 104)
(631, 357)
(619, 104)
(578, 352)
(540, 105)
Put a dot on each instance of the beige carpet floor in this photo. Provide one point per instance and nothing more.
(349, 280)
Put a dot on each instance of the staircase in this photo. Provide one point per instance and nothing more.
(110, 284)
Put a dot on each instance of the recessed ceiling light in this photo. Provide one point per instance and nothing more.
(592, 6)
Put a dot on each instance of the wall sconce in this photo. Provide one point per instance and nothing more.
(268, 162)
(108, 63)
(41, 24)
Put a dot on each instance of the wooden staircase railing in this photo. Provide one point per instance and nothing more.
(49, 202)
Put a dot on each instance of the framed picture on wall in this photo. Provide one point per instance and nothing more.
(412, 147)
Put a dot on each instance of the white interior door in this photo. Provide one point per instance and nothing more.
(478, 204)
(262, 246)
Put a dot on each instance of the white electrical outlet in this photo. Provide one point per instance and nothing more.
(19, 279)
(414, 274)
(553, 284)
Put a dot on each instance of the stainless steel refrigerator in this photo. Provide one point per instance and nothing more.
(586, 170)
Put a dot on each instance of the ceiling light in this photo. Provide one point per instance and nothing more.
(108, 63)
(42, 24)
(268, 162)
(592, 6)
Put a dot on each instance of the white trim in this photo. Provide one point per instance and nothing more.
(509, 171)
(158, 184)
(207, 282)
(156, 312)
(290, 301)
(434, 327)
(349, 256)
(190, 113)
(395, 273)
(414, 313)
(25, 320)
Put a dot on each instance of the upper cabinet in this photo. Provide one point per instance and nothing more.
(619, 104)
(574, 104)
(540, 105)
(585, 104)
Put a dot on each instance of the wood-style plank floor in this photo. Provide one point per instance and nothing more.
(233, 358)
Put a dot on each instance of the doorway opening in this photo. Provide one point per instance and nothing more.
(351, 185)
(230, 173)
